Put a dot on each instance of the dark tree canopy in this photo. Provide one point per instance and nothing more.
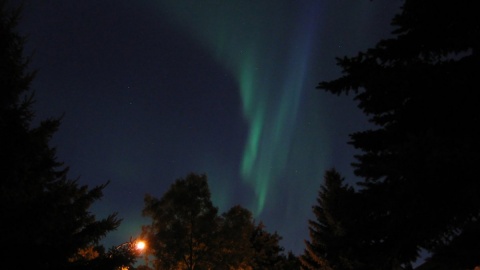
(42, 211)
(333, 243)
(419, 164)
(184, 224)
(235, 230)
(187, 233)
(267, 249)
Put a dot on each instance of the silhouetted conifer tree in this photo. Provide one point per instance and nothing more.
(419, 162)
(45, 217)
(333, 242)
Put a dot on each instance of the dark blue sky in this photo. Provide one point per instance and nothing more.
(154, 90)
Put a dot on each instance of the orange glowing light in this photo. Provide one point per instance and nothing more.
(140, 245)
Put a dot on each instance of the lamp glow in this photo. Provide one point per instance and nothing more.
(140, 245)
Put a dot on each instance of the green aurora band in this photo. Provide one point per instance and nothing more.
(266, 46)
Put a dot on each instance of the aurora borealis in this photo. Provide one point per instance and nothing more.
(270, 80)
(153, 89)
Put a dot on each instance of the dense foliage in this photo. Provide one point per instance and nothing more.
(332, 244)
(44, 214)
(187, 233)
(419, 182)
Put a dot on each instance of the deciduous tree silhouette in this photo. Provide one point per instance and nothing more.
(187, 233)
(184, 224)
(236, 227)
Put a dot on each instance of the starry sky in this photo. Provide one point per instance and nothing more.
(151, 90)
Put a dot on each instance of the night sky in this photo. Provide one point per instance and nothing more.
(153, 90)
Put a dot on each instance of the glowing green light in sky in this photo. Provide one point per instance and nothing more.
(266, 47)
